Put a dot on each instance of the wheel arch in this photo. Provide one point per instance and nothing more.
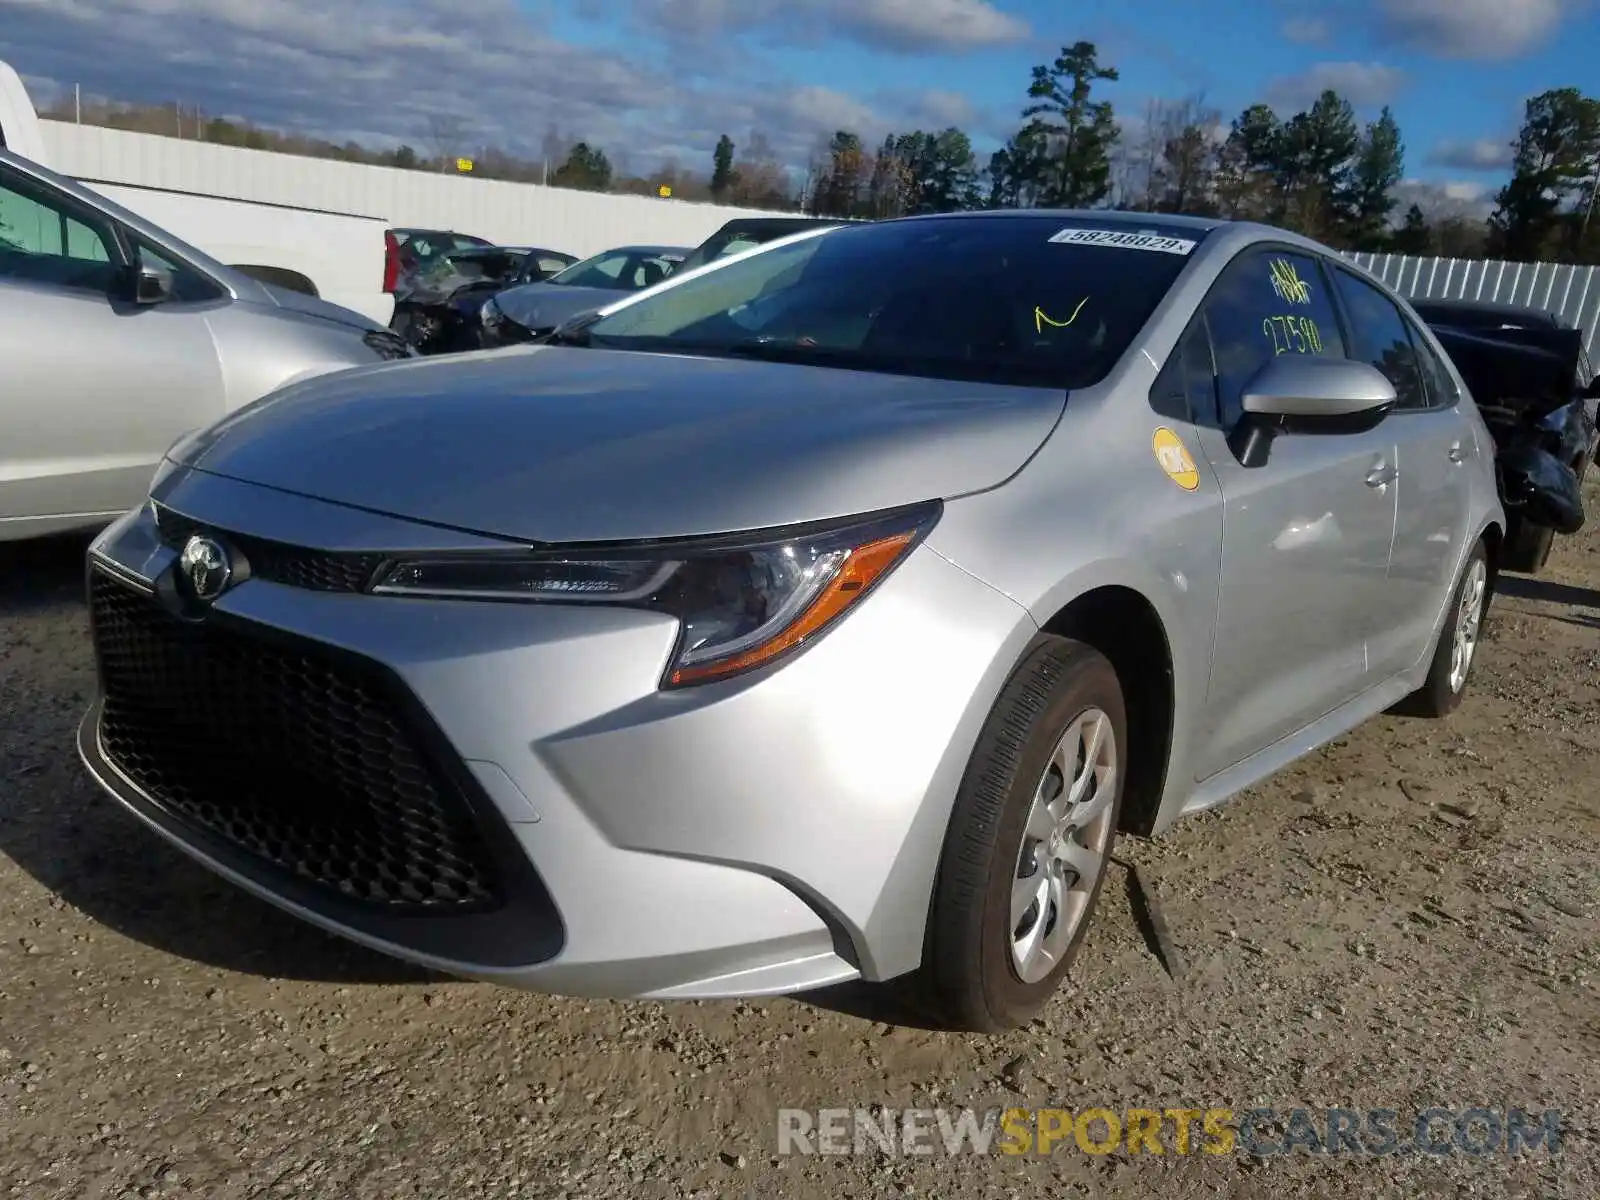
(1121, 623)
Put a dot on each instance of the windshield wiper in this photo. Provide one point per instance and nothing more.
(563, 336)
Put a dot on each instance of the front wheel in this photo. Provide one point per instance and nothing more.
(1029, 839)
(1457, 648)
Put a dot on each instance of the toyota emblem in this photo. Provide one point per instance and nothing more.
(204, 565)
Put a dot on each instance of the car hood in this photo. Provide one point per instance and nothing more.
(546, 305)
(313, 306)
(560, 444)
(1532, 371)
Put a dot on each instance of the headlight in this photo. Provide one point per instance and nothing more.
(490, 314)
(742, 602)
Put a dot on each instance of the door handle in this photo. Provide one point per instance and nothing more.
(1382, 476)
(1456, 453)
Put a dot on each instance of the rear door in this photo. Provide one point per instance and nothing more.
(1306, 535)
(1437, 454)
(95, 386)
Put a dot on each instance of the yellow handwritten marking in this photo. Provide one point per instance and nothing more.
(1172, 456)
(1040, 319)
(1287, 283)
(1292, 333)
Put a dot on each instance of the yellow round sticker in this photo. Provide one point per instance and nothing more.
(1173, 458)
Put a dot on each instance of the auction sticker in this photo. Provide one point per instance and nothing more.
(1118, 240)
(1173, 457)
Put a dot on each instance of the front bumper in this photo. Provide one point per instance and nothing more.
(763, 835)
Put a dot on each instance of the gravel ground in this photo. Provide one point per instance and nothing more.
(1410, 917)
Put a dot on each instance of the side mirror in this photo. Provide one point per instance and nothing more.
(1297, 393)
(151, 284)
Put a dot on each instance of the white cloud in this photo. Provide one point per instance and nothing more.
(1472, 29)
(1478, 154)
(1446, 198)
(1308, 30)
(947, 24)
(1364, 84)
(389, 71)
(904, 26)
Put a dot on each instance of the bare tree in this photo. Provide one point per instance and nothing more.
(446, 132)
(1191, 135)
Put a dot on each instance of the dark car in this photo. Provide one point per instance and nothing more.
(1533, 382)
(412, 249)
(742, 234)
(438, 307)
(530, 312)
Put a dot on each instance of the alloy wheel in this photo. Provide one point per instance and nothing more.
(1469, 616)
(1064, 844)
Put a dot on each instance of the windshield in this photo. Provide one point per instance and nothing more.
(420, 247)
(617, 271)
(1035, 301)
(721, 246)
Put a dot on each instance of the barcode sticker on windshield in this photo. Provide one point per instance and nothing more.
(1124, 241)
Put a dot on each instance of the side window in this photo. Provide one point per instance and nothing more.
(1267, 303)
(44, 239)
(188, 285)
(1186, 390)
(1440, 387)
(1378, 336)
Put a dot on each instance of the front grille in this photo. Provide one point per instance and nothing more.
(296, 756)
(313, 570)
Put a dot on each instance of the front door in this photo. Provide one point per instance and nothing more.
(1306, 535)
(96, 387)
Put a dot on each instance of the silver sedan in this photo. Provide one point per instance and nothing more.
(116, 338)
(806, 618)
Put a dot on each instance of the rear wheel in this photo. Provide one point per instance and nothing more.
(1029, 839)
(1457, 647)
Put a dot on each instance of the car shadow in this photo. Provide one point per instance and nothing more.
(41, 574)
(78, 844)
(1524, 587)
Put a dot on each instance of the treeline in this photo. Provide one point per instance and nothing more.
(1320, 171)
(757, 179)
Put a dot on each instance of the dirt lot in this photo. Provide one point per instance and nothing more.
(1409, 918)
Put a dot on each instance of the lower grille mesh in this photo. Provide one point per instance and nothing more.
(292, 754)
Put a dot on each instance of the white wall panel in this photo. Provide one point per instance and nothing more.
(580, 223)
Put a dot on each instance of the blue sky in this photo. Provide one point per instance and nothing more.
(655, 79)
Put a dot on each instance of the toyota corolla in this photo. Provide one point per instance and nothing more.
(823, 615)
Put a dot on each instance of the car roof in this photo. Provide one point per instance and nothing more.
(796, 223)
(656, 251)
(1098, 216)
(1489, 310)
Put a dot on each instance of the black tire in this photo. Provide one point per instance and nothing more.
(1527, 546)
(1437, 697)
(968, 974)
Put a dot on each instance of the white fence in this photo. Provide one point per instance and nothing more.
(580, 223)
(585, 223)
(1571, 292)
